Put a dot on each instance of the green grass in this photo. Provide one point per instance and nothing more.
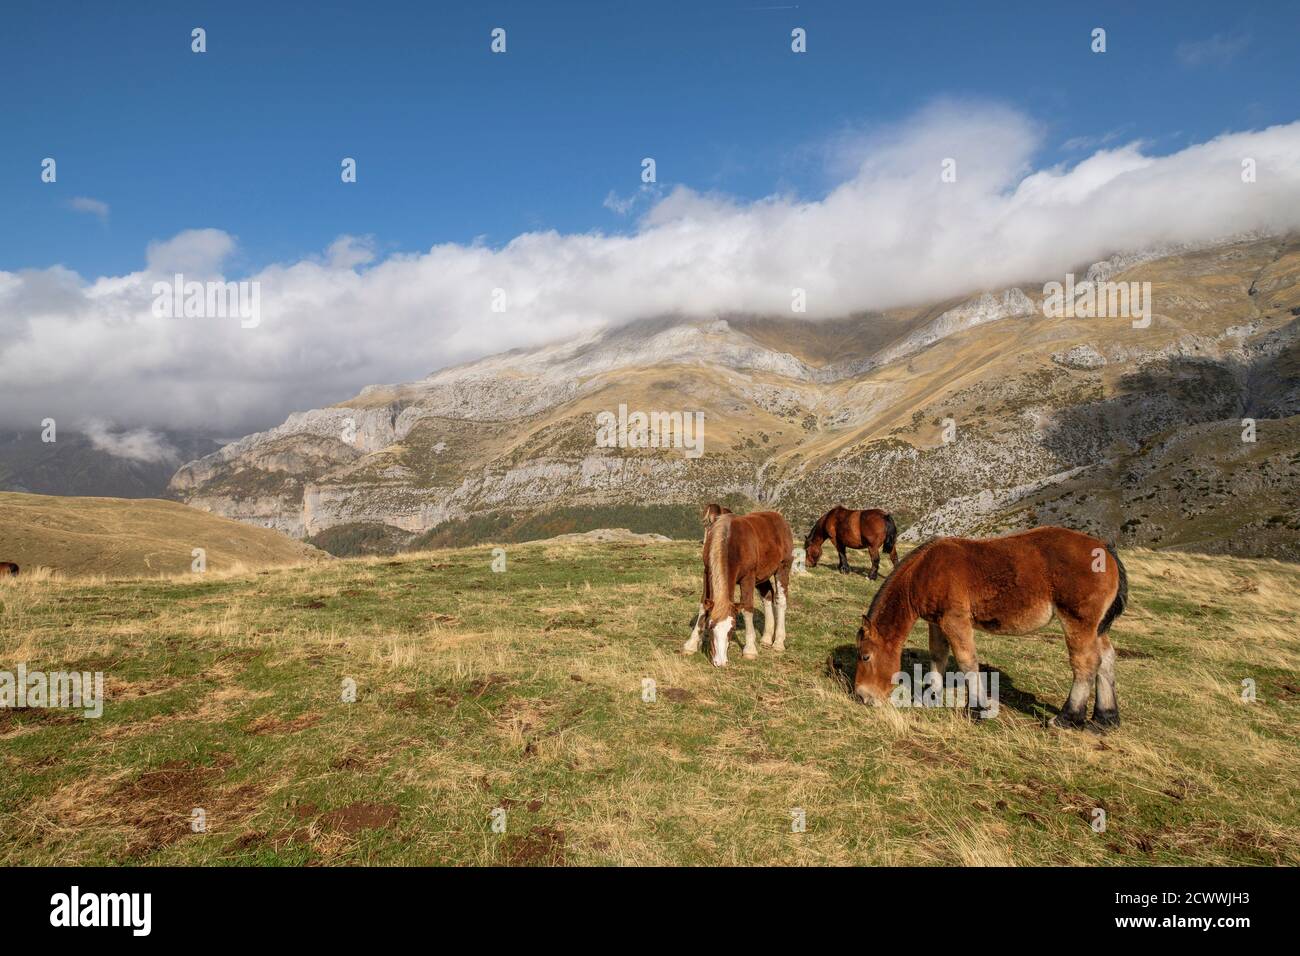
(522, 690)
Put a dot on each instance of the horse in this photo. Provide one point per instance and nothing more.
(872, 529)
(753, 550)
(9, 568)
(1008, 585)
(711, 513)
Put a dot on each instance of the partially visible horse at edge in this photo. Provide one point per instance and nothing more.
(872, 529)
(753, 551)
(1008, 585)
(8, 568)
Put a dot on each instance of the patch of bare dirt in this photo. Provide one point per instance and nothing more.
(158, 804)
(540, 846)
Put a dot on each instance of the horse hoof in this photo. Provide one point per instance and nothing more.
(749, 655)
(765, 641)
(1062, 721)
(1104, 720)
(778, 648)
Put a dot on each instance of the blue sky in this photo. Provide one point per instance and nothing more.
(453, 142)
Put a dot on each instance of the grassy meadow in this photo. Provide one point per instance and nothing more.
(522, 691)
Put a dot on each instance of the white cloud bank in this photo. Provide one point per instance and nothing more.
(135, 444)
(890, 234)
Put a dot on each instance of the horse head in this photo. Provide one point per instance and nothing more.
(873, 680)
(812, 546)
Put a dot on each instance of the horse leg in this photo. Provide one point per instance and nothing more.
(782, 590)
(1105, 712)
(1085, 660)
(893, 558)
(747, 612)
(938, 654)
(769, 623)
(693, 642)
(844, 558)
(875, 561)
(960, 634)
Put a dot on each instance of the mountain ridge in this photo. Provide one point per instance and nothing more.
(802, 414)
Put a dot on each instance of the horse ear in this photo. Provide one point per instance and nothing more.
(866, 621)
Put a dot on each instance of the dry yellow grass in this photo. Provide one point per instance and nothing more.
(117, 537)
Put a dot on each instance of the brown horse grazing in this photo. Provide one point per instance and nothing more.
(8, 567)
(1008, 585)
(871, 529)
(711, 513)
(754, 550)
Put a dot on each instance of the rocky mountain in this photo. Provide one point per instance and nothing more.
(126, 465)
(966, 416)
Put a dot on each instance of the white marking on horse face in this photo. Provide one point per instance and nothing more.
(720, 632)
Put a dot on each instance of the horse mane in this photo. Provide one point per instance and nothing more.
(894, 576)
(719, 589)
(820, 525)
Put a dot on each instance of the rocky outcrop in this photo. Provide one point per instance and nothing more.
(1080, 356)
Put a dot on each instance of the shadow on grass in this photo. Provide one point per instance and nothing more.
(842, 663)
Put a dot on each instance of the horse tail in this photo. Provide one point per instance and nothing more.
(891, 534)
(719, 588)
(1121, 596)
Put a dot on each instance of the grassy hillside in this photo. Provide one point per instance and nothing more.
(120, 537)
(522, 690)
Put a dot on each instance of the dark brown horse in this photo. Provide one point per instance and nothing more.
(872, 529)
(1008, 585)
(753, 551)
(8, 568)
